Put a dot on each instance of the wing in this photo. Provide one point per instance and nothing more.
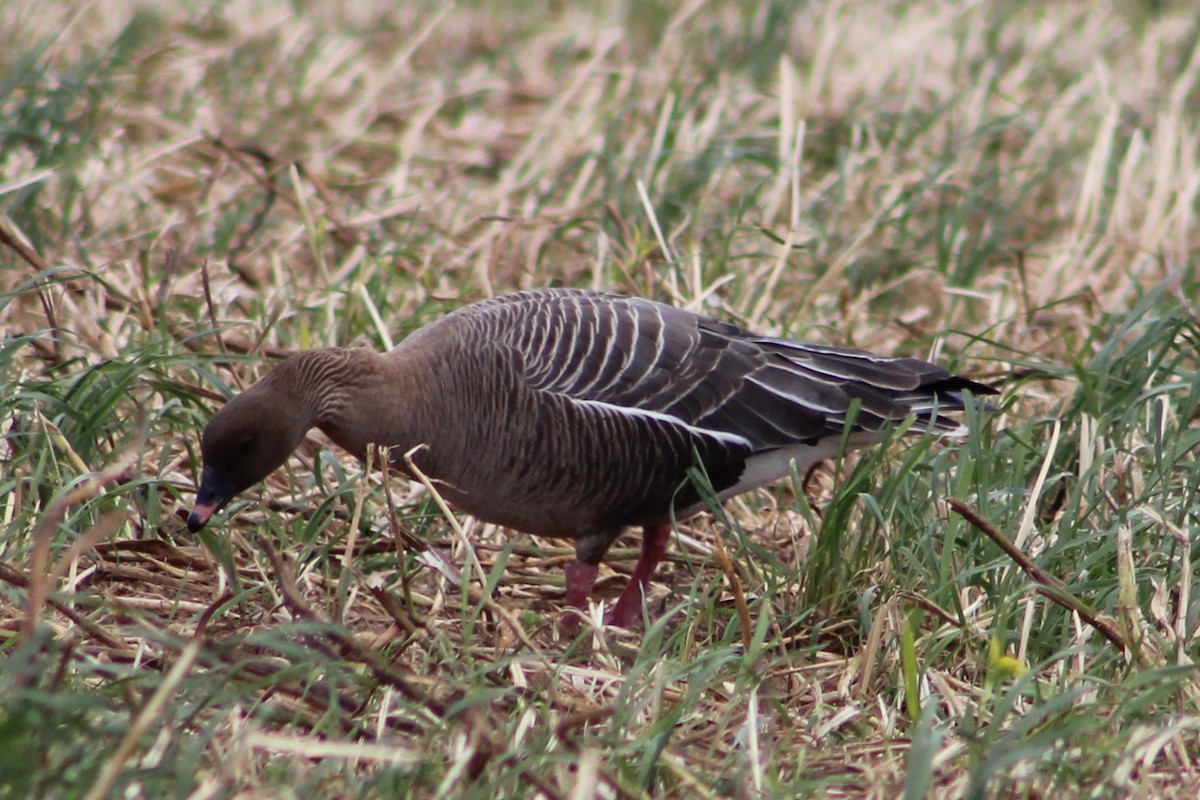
(628, 354)
(639, 357)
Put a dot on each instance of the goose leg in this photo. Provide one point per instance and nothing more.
(581, 576)
(627, 610)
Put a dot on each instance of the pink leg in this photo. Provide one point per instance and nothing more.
(628, 609)
(581, 578)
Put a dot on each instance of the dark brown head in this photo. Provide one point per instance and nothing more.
(245, 442)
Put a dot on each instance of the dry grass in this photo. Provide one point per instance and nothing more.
(186, 194)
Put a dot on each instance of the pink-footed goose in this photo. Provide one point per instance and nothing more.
(576, 414)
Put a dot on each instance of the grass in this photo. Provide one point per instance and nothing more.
(187, 195)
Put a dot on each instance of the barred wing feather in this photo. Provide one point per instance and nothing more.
(642, 357)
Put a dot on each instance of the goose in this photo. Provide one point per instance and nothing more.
(577, 414)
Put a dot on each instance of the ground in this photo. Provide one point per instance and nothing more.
(1009, 189)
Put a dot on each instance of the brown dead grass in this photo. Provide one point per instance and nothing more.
(258, 181)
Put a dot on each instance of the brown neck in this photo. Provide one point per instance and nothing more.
(358, 397)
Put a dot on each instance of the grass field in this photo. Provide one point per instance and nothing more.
(1007, 188)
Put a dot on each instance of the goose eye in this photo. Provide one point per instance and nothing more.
(246, 444)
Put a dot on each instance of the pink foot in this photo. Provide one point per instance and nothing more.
(569, 622)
